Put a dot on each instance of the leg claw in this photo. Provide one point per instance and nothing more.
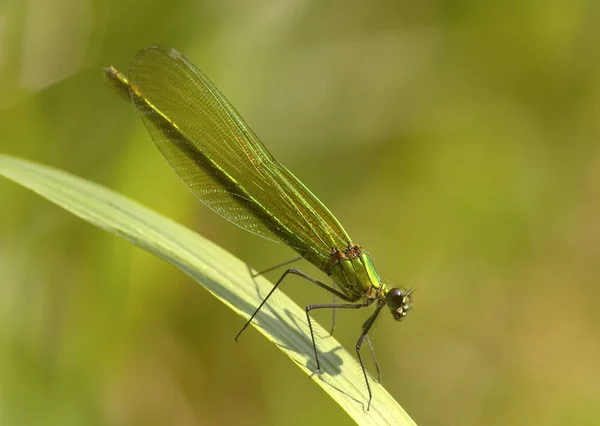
(317, 372)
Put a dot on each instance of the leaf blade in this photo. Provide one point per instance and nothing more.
(223, 275)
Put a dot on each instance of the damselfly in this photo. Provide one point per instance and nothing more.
(222, 161)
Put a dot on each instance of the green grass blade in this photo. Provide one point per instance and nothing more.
(222, 274)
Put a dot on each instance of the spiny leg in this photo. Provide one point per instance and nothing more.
(334, 312)
(295, 272)
(272, 268)
(366, 327)
(368, 340)
(329, 306)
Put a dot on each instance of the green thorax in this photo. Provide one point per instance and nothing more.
(354, 273)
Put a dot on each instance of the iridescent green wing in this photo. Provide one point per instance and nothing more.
(221, 160)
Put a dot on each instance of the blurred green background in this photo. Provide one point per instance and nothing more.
(458, 142)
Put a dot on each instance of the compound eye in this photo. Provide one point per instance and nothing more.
(395, 298)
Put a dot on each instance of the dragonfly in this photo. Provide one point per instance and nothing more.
(224, 164)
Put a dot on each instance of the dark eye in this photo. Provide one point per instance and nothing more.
(395, 298)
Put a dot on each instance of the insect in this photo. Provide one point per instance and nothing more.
(223, 163)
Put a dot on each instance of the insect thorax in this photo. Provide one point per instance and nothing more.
(354, 273)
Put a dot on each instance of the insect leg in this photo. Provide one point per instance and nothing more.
(295, 272)
(333, 313)
(368, 340)
(329, 306)
(256, 274)
(366, 327)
